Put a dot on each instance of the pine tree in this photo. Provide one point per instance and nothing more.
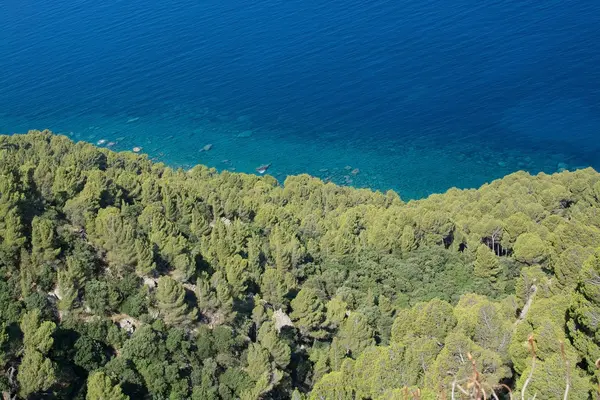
(236, 270)
(583, 320)
(279, 350)
(486, 264)
(100, 387)
(408, 241)
(44, 248)
(355, 334)
(117, 236)
(530, 249)
(170, 297)
(36, 372)
(67, 292)
(37, 335)
(308, 313)
(258, 361)
(144, 258)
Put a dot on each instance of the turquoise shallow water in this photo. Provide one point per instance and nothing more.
(412, 96)
(415, 166)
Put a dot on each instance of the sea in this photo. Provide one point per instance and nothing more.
(413, 96)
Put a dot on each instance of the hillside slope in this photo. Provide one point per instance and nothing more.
(122, 278)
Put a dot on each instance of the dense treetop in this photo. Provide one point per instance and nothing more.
(123, 278)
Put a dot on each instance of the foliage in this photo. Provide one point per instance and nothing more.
(123, 278)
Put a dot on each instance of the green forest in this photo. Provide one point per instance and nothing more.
(122, 278)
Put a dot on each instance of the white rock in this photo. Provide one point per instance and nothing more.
(281, 320)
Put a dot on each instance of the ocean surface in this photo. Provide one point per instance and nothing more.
(415, 96)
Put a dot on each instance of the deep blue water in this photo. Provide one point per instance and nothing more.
(419, 96)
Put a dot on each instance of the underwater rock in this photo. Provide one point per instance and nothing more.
(355, 171)
(347, 168)
(130, 120)
(244, 134)
(207, 147)
(101, 142)
(110, 144)
(137, 149)
(263, 168)
(502, 164)
(561, 166)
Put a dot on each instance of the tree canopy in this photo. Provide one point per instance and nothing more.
(125, 278)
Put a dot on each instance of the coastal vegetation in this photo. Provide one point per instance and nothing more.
(121, 278)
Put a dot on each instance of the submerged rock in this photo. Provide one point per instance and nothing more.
(207, 147)
(137, 149)
(244, 134)
(263, 168)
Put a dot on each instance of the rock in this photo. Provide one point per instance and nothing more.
(323, 170)
(244, 134)
(561, 166)
(137, 149)
(56, 293)
(130, 120)
(501, 164)
(281, 320)
(355, 171)
(263, 168)
(150, 282)
(101, 142)
(226, 221)
(127, 324)
(207, 147)
(110, 144)
(347, 168)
